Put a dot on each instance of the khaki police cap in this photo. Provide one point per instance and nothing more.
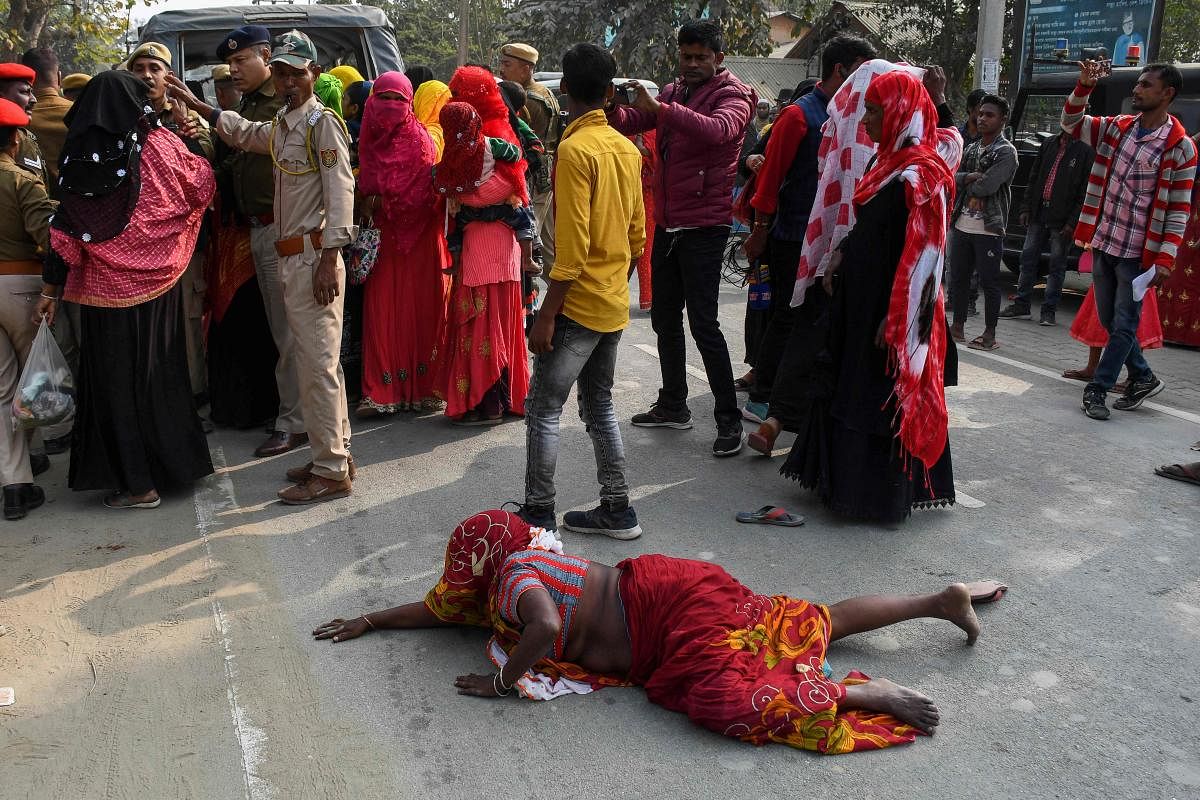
(220, 74)
(76, 80)
(522, 51)
(151, 50)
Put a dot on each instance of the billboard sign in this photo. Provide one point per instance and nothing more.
(1116, 25)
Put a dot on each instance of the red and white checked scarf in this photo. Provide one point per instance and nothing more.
(845, 152)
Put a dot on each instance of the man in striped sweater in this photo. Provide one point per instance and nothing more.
(1137, 204)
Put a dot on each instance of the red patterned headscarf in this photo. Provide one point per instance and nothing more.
(477, 86)
(474, 554)
(916, 320)
(461, 166)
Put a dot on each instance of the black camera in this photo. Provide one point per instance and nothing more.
(626, 95)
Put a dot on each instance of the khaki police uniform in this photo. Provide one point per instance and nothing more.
(192, 283)
(313, 210)
(541, 106)
(25, 211)
(251, 179)
(47, 124)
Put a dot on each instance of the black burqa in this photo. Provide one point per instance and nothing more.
(136, 429)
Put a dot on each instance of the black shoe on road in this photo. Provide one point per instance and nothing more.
(1138, 392)
(537, 516)
(621, 524)
(1047, 318)
(1015, 311)
(1093, 403)
(20, 499)
(659, 417)
(729, 440)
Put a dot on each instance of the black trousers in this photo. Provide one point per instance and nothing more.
(975, 253)
(685, 272)
(784, 261)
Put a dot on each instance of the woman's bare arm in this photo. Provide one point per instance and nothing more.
(409, 615)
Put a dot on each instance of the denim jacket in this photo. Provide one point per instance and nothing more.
(998, 163)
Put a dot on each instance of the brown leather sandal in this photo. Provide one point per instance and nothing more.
(315, 490)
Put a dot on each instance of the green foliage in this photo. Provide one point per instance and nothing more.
(640, 33)
(1180, 34)
(86, 34)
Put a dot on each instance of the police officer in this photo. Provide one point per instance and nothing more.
(228, 96)
(25, 211)
(72, 85)
(16, 85)
(151, 62)
(246, 51)
(541, 112)
(314, 210)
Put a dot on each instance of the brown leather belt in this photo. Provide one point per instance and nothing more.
(257, 220)
(295, 245)
(27, 267)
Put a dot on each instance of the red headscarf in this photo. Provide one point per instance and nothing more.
(396, 157)
(916, 319)
(477, 86)
(461, 166)
(474, 554)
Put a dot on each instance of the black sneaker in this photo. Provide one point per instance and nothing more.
(1093, 403)
(621, 524)
(537, 516)
(1047, 317)
(729, 440)
(659, 417)
(1015, 311)
(1137, 392)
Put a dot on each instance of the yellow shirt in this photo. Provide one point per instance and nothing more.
(600, 222)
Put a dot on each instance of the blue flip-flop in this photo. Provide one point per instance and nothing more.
(770, 515)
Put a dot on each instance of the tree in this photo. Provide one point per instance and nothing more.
(86, 34)
(640, 33)
(1180, 36)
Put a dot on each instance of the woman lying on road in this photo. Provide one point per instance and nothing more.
(742, 664)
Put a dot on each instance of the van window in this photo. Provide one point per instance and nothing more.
(1042, 114)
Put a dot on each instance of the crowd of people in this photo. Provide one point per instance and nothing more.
(191, 255)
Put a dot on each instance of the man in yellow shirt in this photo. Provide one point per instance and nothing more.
(600, 233)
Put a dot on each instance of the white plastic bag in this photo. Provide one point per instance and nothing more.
(46, 393)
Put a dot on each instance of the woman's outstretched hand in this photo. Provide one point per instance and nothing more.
(341, 630)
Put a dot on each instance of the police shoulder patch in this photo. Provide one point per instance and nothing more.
(329, 158)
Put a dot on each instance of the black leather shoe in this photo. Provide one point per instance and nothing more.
(280, 443)
(39, 464)
(20, 499)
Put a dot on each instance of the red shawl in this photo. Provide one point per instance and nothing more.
(461, 166)
(477, 86)
(916, 318)
(396, 157)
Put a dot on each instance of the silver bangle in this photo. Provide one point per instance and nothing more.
(497, 682)
(367, 620)
(48, 297)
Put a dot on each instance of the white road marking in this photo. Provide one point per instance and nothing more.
(209, 495)
(1048, 373)
(965, 500)
(653, 351)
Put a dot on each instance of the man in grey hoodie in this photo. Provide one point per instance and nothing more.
(980, 216)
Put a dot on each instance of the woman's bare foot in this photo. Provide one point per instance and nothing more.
(906, 705)
(1084, 375)
(955, 602)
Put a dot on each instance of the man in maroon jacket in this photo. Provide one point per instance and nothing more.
(700, 120)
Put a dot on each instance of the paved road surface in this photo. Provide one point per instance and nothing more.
(166, 654)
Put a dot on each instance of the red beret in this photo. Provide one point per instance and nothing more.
(12, 71)
(12, 115)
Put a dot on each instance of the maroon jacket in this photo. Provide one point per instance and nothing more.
(699, 142)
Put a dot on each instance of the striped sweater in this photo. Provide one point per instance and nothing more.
(1172, 198)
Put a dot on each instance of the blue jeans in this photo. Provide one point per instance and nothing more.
(1112, 280)
(1031, 257)
(588, 358)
